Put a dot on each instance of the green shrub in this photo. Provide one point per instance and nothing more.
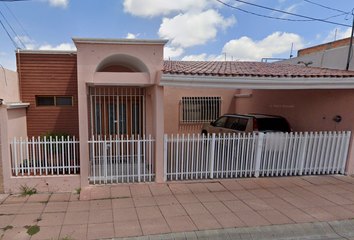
(53, 134)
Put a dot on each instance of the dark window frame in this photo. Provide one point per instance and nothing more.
(55, 100)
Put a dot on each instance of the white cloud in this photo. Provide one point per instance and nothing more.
(132, 36)
(29, 44)
(63, 46)
(171, 52)
(151, 8)
(58, 3)
(339, 35)
(3, 53)
(246, 49)
(192, 29)
(24, 39)
(201, 57)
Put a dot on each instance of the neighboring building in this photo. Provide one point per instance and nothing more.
(332, 55)
(122, 88)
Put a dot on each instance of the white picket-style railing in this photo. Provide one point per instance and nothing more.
(121, 159)
(36, 156)
(252, 155)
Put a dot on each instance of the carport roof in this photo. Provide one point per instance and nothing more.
(253, 75)
(255, 69)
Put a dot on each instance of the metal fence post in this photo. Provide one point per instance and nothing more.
(346, 149)
(139, 164)
(165, 158)
(303, 153)
(258, 154)
(212, 156)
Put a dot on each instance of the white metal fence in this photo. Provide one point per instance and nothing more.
(246, 155)
(36, 156)
(121, 159)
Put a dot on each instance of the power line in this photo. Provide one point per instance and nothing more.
(277, 18)
(13, 30)
(20, 25)
(325, 6)
(13, 42)
(272, 9)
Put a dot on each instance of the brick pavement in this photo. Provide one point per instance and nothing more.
(262, 208)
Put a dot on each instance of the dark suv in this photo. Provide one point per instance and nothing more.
(236, 123)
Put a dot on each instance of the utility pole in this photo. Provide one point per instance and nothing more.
(351, 43)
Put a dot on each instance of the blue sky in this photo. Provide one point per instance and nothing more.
(197, 29)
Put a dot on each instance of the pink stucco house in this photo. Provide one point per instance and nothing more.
(118, 97)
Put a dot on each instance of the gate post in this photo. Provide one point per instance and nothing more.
(258, 153)
(212, 156)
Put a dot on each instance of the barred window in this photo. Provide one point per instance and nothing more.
(200, 109)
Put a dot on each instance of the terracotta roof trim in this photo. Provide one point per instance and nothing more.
(259, 75)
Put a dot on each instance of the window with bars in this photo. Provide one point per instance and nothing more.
(200, 109)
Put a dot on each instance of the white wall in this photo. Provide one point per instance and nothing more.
(335, 58)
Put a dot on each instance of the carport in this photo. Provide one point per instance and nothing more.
(312, 99)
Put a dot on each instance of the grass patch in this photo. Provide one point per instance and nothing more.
(31, 230)
(78, 190)
(8, 227)
(26, 190)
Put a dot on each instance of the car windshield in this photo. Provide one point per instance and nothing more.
(273, 124)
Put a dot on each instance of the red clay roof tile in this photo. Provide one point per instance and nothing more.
(259, 69)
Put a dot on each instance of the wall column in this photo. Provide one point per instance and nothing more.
(157, 115)
(5, 147)
(83, 133)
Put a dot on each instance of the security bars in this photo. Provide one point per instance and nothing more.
(200, 109)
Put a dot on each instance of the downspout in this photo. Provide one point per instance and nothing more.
(19, 72)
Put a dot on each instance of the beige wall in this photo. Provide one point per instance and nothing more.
(17, 123)
(90, 57)
(9, 92)
(306, 110)
(173, 97)
(9, 87)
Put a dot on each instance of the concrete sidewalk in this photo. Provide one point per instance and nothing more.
(262, 208)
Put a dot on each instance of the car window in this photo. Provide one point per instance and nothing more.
(230, 122)
(273, 124)
(236, 123)
(242, 124)
(220, 122)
